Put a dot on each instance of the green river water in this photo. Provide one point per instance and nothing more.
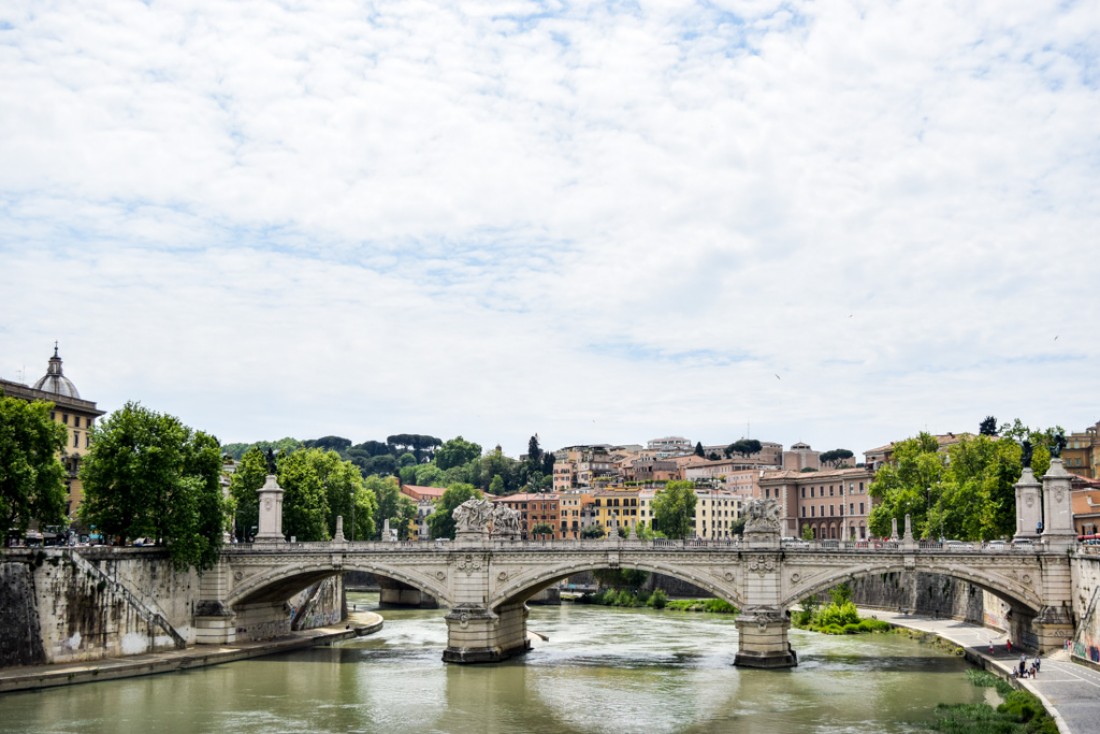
(602, 671)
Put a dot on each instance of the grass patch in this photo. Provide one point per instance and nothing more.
(1020, 712)
(657, 600)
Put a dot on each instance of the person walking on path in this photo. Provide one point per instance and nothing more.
(1038, 661)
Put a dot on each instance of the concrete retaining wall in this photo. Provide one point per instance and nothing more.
(65, 606)
(1086, 604)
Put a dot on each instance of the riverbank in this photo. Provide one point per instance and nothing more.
(1069, 691)
(33, 677)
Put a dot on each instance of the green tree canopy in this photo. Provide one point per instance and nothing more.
(745, 447)
(149, 475)
(456, 452)
(318, 487)
(244, 484)
(699, 450)
(32, 479)
(908, 485)
(441, 523)
(674, 509)
(836, 457)
(399, 509)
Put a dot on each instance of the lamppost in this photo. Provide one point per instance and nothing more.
(351, 532)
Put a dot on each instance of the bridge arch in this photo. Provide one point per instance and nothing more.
(1017, 593)
(524, 586)
(279, 583)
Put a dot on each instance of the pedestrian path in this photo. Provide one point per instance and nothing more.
(30, 677)
(1070, 691)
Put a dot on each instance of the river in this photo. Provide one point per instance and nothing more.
(602, 671)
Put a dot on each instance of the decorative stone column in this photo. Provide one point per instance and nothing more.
(762, 625)
(476, 633)
(1029, 508)
(1058, 530)
(271, 512)
(908, 542)
(763, 642)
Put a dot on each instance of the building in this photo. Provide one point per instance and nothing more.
(425, 499)
(571, 506)
(1081, 456)
(716, 513)
(535, 509)
(582, 466)
(615, 508)
(800, 456)
(833, 504)
(669, 446)
(76, 414)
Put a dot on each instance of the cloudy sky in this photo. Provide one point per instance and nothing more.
(839, 222)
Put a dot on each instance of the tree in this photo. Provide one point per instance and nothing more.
(249, 476)
(318, 487)
(592, 532)
(456, 452)
(542, 528)
(674, 509)
(496, 487)
(745, 447)
(149, 475)
(32, 479)
(836, 457)
(329, 443)
(988, 427)
(699, 450)
(909, 485)
(441, 523)
(534, 452)
(399, 509)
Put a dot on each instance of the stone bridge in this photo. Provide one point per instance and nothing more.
(484, 580)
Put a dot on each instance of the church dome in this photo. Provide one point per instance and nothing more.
(54, 381)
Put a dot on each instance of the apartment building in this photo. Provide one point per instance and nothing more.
(834, 504)
(1081, 456)
(534, 510)
(717, 512)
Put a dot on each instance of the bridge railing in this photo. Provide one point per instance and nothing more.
(724, 544)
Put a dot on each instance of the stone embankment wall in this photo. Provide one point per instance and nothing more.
(921, 593)
(1086, 604)
(71, 605)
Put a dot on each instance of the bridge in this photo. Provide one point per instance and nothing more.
(484, 577)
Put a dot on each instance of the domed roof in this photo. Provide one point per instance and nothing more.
(56, 382)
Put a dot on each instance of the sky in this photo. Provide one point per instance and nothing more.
(837, 222)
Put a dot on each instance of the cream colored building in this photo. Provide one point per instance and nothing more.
(716, 513)
(76, 414)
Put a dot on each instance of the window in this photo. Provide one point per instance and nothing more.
(65, 418)
(803, 512)
(861, 508)
(830, 490)
(76, 439)
(803, 493)
(813, 511)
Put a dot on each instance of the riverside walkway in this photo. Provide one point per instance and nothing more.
(31, 677)
(1070, 691)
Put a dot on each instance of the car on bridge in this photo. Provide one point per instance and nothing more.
(957, 545)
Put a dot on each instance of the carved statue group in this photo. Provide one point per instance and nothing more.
(763, 517)
(475, 516)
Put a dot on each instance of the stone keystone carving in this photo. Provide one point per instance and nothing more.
(473, 516)
(763, 517)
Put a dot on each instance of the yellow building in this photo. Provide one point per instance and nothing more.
(615, 508)
(76, 414)
(716, 513)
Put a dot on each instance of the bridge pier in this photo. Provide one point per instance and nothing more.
(478, 635)
(763, 639)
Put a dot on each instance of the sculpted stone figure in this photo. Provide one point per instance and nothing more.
(1058, 445)
(472, 516)
(505, 520)
(763, 516)
(1025, 454)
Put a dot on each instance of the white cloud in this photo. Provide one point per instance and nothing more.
(599, 222)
